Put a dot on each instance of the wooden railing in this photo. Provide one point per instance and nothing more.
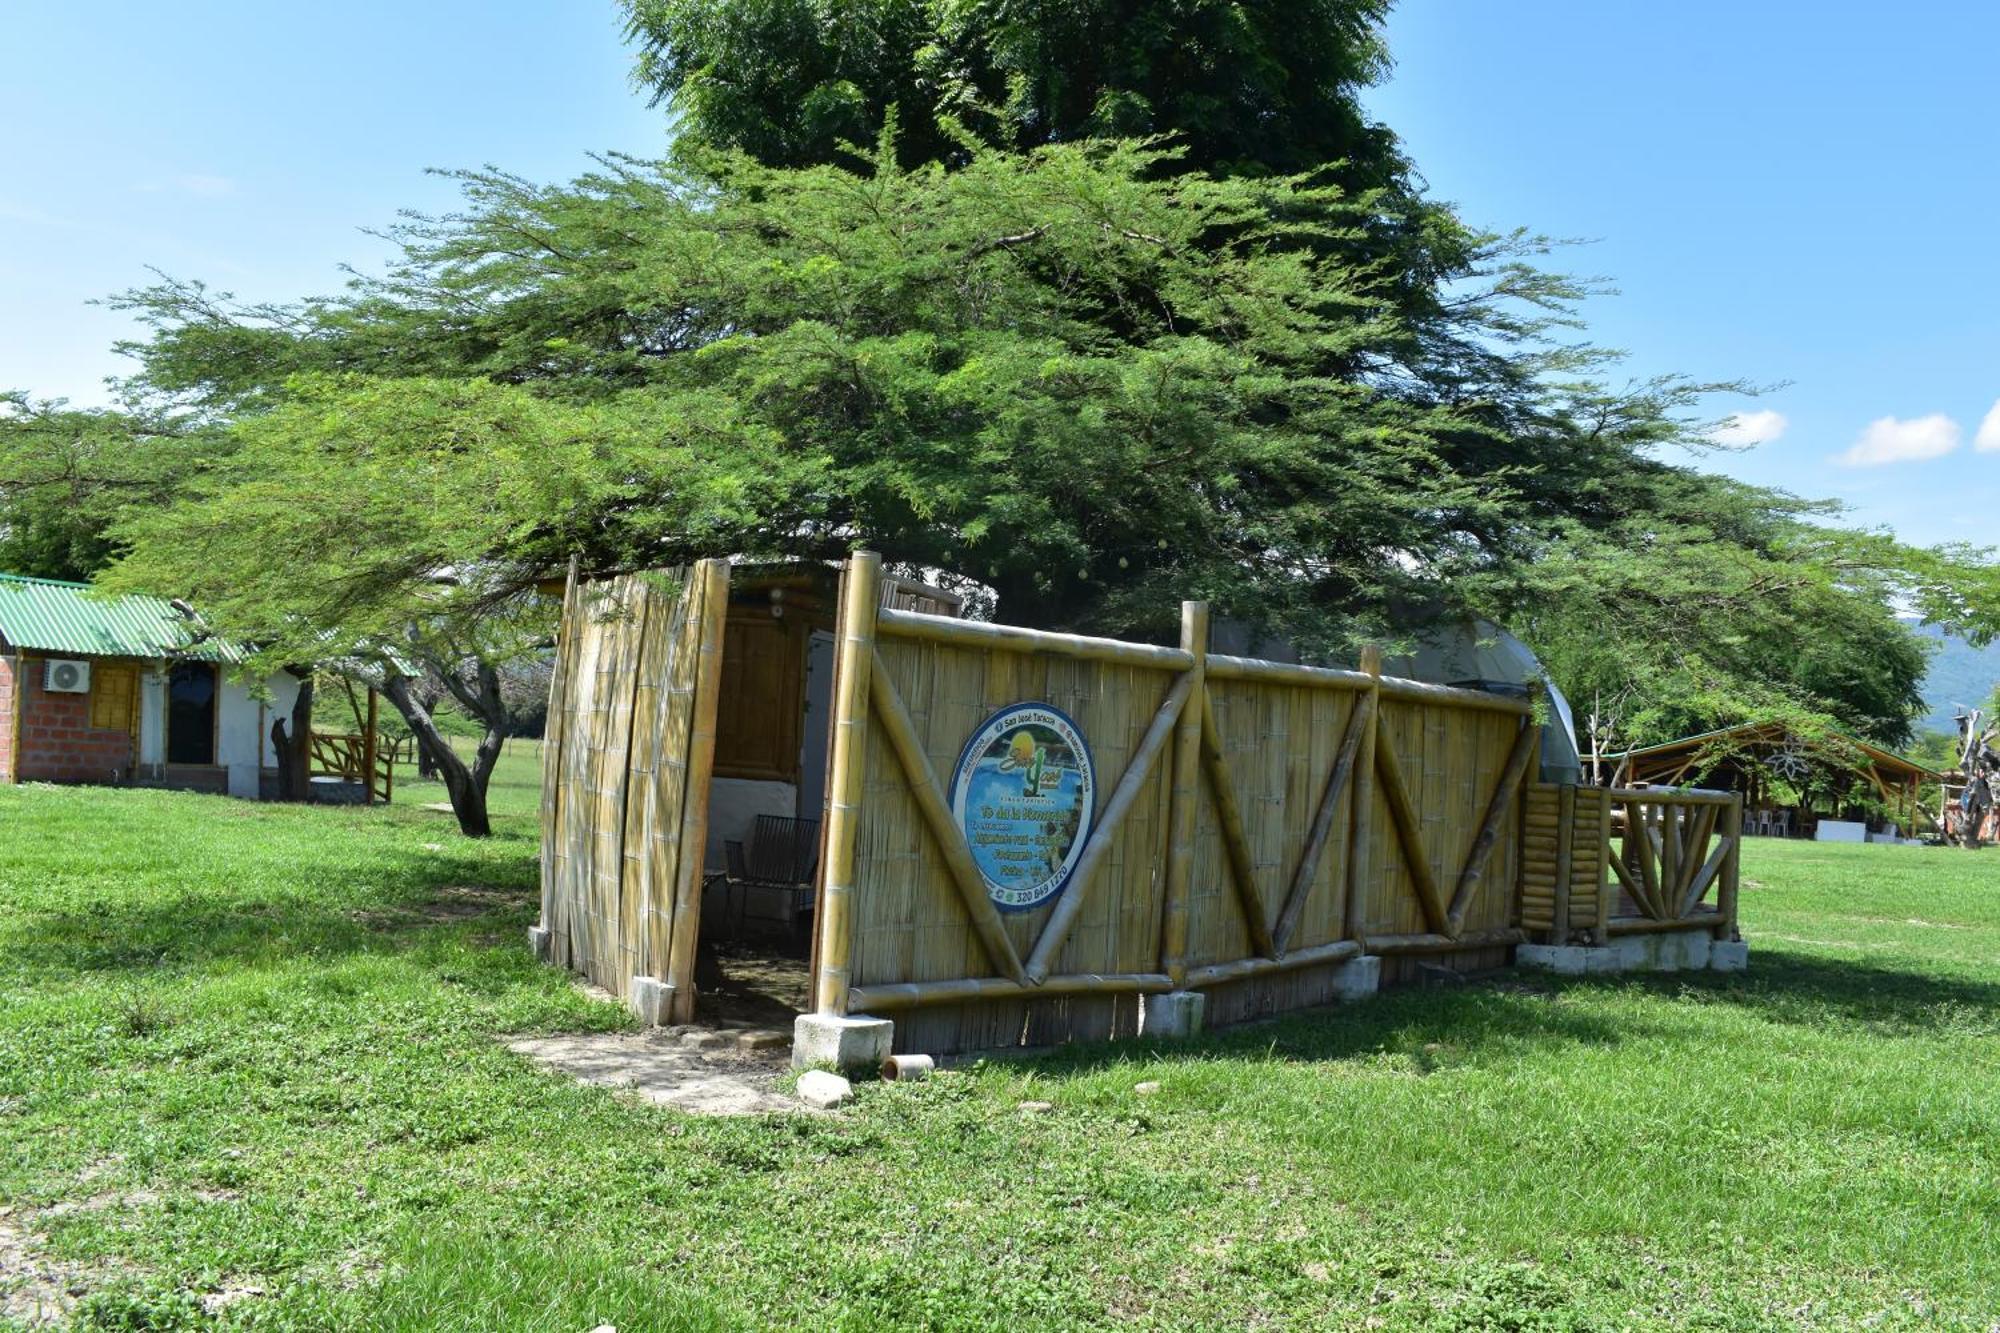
(354, 759)
(1670, 849)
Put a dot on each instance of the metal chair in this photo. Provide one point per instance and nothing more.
(769, 882)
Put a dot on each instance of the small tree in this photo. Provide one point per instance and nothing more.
(400, 528)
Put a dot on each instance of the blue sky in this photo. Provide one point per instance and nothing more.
(1781, 191)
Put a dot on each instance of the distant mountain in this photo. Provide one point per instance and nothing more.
(1960, 675)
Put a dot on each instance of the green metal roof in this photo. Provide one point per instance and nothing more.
(45, 616)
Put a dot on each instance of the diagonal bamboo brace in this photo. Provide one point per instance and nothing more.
(1358, 725)
(1056, 931)
(1242, 866)
(1409, 833)
(1525, 744)
(930, 798)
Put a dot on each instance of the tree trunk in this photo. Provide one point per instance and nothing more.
(294, 749)
(465, 786)
(427, 766)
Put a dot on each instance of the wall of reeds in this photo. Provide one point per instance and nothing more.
(1257, 824)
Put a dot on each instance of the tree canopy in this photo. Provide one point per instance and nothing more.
(1263, 86)
(1101, 306)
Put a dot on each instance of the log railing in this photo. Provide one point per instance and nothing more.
(1676, 856)
(355, 759)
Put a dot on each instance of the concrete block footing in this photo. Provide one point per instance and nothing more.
(1665, 951)
(1569, 960)
(1174, 1014)
(540, 943)
(854, 1043)
(652, 1000)
(1358, 978)
(1728, 956)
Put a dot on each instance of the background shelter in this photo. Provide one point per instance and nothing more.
(1765, 760)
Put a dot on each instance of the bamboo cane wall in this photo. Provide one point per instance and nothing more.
(1280, 747)
(617, 760)
(1271, 821)
(1563, 871)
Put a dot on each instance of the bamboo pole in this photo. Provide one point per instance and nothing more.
(1184, 805)
(1633, 926)
(555, 733)
(686, 933)
(1336, 951)
(889, 997)
(1732, 869)
(1525, 744)
(1678, 796)
(1434, 943)
(859, 612)
(1056, 930)
(1409, 833)
(1358, 724)
(1242, 866)
(1698, 884)
(985, 637)
(936, 810)
(1671, 881)
(368, 743)
(1565, 850)
(1625, 876)
(1362, 807)
(1647, 856)
(1224, 667)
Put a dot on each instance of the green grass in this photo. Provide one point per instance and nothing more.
(257, 1045)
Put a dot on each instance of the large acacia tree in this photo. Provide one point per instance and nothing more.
(1089, 381)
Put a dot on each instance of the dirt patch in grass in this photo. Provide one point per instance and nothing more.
(703, 1071)
(464, 902)
(34, 1292)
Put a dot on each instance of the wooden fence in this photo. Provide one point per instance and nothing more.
(357, 759)
(1253, 825)
(1603, 862)
(1258, 824)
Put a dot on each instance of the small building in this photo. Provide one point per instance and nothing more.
(128, 691)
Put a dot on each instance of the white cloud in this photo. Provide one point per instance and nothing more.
(1893, 440)
(1748, 428)
(1988, 439)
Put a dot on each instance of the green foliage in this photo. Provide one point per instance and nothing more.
(1086, 379)
(1731, 607)
(65, 473)
(731, 357)
(1269, 86)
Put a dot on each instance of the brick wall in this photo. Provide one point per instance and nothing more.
(58, 743)
(6, 719)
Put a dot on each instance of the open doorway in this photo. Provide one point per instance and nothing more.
(767, 793)
(685, 784)
(768, 786)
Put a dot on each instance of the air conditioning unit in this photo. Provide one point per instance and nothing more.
(59, 677)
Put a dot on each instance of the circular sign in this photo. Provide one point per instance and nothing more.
(1023, 795)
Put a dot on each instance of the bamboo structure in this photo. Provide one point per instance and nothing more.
(860, 602)
(1260, 825)
(1252, 827)
(1600, 862)
(626, 763)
